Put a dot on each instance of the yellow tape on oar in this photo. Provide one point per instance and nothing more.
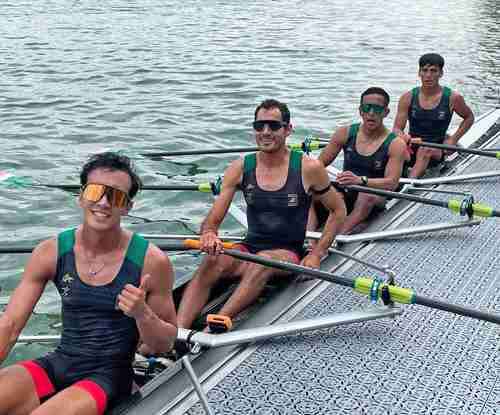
(205, 187)
(398, 294)
(478, 209)
(497, 155)
(313, 145)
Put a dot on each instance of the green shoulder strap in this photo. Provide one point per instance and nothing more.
(296, 160)
(65, 242)
(353, 131)
(414, 93)
(137, 250)
(249, 162)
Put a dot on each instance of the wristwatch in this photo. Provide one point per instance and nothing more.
(364, 180)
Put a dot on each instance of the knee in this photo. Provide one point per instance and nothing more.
(424, 153)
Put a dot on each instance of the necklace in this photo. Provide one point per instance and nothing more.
(93, 272)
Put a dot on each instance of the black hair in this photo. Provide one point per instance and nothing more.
(112, 161)
(272, 103)
(378, 91)
(431, 59)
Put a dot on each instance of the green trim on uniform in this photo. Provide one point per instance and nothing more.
(446, 92)
(414, 92)
(296, 160)
(65, 242)
(353, 131)
(249, 162)
(136, 251)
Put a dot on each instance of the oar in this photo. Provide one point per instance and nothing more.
(306, 146)
(461, 207)
(13, 181)
(368, 286)
(185, 245)
(485, 153)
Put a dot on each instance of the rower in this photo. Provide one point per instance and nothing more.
(278, 186)
(115, 287)
(373, 157)
(429, 110)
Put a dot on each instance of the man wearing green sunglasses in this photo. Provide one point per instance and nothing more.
(428, 109)
(373, 156)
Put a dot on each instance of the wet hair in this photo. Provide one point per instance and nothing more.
(112, 161)
(431, 59)
(272, 103)
(378, 91)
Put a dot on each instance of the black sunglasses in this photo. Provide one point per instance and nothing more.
(273, 125)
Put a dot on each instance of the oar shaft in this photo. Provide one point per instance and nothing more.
(195, 152)
(484, 153)
(397, 195)
(457, 309)
(202, 187)
(399, 294)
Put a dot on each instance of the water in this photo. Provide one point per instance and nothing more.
(81, 77)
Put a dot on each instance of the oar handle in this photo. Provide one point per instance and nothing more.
(195, 244)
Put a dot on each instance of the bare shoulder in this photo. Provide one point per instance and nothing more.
(43, 261)
(405, 99)
(158, 266)
(311, 165)
(397, 145)
(234, 171)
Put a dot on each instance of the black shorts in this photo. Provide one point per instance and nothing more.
(57, 371)
(350, 198)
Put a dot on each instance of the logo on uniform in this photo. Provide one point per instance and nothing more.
(67, 282)
(293, 200)
(441, 115)
(378, 164)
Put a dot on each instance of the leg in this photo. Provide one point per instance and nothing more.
(253, 281)
(197, 292)
(18, 394)
(424, 156)
(83, 398)
(363, 206)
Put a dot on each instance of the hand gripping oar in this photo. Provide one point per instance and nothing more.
(462, 207)
(185, 245)
(306, 146)
(485, 153)
(363, 285)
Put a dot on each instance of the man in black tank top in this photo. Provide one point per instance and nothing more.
(115, 287)
(373, 156)
(428, 109)
(278, 186)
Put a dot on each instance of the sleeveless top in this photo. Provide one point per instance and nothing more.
(278, 218)
(431, 124)
(92, 328)
(372, 166)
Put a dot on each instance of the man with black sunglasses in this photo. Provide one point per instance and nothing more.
(115, 287)
(429, 109)
(373, 156)
(278, 186)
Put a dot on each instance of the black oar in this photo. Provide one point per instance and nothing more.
(170, 246)
(306, 146)
(462, 207)
(485, 153)
(368, 286)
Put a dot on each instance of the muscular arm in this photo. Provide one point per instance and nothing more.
(331, 151)
(464, 111)
(402, 115)
(394, 167)
(232, 178)
(40, 268)
(316, 178)
(157, 321)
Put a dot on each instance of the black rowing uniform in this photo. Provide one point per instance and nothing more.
(98, 341)
(276, 219)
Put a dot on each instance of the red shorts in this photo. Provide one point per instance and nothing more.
(46, 389)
